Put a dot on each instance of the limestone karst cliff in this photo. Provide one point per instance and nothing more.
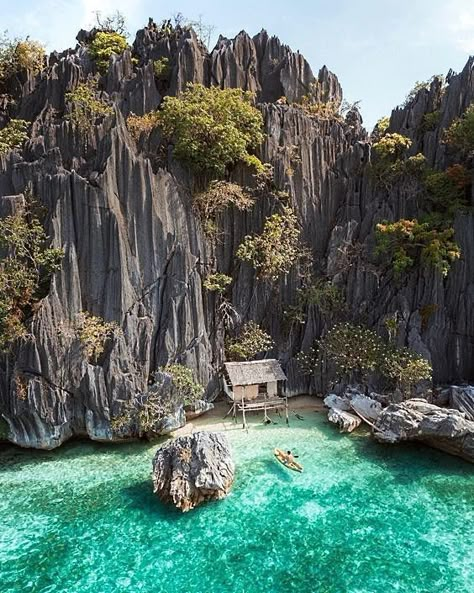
(136, 253)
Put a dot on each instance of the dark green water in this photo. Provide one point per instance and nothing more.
(362, 518)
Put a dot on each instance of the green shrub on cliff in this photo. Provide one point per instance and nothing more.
(219, 196)
(183, 379)
(217, 283)
(137, 124)
(404, 367)
(212, 129)
(104, 44)
(380, 129)
(448, 191)
(390, 161)
(408, 242)
(251, 341)
(25, 269)
(357, 351)
(161, 68)
(93, 333)
(13, 135)
(17, 55)
(86, 107)
(461, 132)
(274, 251)
(143, 415)
(422, 85)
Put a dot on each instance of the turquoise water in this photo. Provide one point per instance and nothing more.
(362, 518)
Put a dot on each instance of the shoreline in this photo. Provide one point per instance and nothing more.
(215, 419)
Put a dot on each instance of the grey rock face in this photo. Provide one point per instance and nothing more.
(346, 421)
(193, 469)
(351, 407)
(368, 408)
(135, 252)
(197, 408)
(418, 420)
(462, 399)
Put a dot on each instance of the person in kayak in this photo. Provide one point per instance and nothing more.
(289, 457)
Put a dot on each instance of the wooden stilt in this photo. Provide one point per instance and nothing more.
(286, 410)
(244, 425)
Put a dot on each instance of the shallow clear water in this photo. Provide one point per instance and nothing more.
(362, 518)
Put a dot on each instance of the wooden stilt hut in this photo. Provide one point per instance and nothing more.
(255, 385)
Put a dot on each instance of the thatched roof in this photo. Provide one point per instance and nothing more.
(254, 372)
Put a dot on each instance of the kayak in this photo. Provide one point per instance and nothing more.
(295, 466)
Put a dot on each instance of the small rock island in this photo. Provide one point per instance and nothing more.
(193, 469)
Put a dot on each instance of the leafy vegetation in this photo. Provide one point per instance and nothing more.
(431, 120)
(17, 55)
(356, 351)
(93, 333)
(422, 85)
(321, 293)
(212, 129)
(104, 45)
(217, 283)
(183, 380)
(461, 132)
(249, 343)
(391, 162)
(448, 191)
(352, 349)
(138, 124)
(380, 128)
(328, 110)
(13, 135)
(143, 415)
(161, 68)
(216, 198)
(276, 249)
(392, 147)
(404, 367)
(25, 270)
(407, 242)
(86, 107)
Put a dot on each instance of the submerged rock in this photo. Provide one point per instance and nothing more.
(418, 420)
(193, 469)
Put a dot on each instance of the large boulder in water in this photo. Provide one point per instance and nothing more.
(417, 420)
(193, 469)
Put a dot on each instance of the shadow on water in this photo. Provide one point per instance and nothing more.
(142, 498)
(13, 457)
(273, 467)
(399, 458)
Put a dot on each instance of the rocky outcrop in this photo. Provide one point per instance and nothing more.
(462, 399)
(340, 413)
(349, 409)
(418, 420)
(197, 408)
(193, 469)
(346, 421)
(135, 252)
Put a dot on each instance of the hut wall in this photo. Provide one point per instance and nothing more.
(249, 391)
(272, 388)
